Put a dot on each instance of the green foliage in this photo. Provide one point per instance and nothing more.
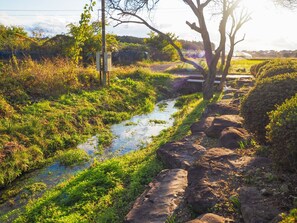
(269, 64)
(107, 191)
(255, 68)
(291, 217)
(45, 122)
(80, 32)
(263, 98)
(15, 159)
(13, 39)
(87, 37)
(72, 157)
(160, 49)
(6, 110)
(281, 133)
(275, 70)
(27, 80)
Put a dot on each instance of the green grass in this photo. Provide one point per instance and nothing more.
(32, 131)
(106, 191)
(238, 66)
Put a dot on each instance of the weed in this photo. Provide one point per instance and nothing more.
(72, 157)
(157, 121)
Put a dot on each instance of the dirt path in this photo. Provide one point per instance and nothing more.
(226, 181)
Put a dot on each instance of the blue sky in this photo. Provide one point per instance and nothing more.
(271, 27)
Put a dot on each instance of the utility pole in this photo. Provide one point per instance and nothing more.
(104, 56)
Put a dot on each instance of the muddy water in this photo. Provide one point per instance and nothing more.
(129, 135)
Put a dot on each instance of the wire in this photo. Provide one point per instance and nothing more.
(38, 10)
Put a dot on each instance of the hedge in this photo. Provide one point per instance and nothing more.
(277, 70)
(263, 98)
(282, 134)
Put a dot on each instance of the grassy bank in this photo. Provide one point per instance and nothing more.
(43, 110)
(106, 191)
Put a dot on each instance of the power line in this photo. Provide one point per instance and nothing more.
(36, 15)
(38, 10)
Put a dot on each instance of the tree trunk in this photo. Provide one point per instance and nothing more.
(208, 86)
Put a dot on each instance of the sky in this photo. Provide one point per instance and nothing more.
(271, 27)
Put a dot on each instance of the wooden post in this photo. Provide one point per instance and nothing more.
(103, 42)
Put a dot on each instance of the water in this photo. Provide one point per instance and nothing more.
(129, 136)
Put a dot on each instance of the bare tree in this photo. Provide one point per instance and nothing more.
(128, 12)
(236, 25)
(287, 3)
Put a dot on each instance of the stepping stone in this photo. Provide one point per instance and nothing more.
(208, 177)
(257, 208)
(201, 125)
(232, 136)
(161, 199)
(222, 122)
(210, 218)
(220, 108)
(180, 154)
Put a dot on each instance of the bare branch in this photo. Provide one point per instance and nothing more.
(203, 5)
(194, 26)
(242, 39)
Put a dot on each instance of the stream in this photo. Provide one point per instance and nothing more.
(129, 135)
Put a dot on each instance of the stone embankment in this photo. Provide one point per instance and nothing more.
(206, 176)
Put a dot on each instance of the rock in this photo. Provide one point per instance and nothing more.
(161, 199)
(232, 136)
(222, 122)
(235, 102)
(256, 208)
(181, 154)
(215, 109)
(227, 96)
(208, 177)
(201, 125)
(195, 221)
(209, 218)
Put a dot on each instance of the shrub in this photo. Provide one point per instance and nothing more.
(291, 217)
(6, 110)
(277, 70)
(274, 63)
(72, 157)
(263, 98)
(282, 132)
(255, 68)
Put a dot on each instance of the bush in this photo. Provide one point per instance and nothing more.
(290, 218)
(30, 80)
(282, 132)
(255, 68)
(6, 110)
(72, 157)
(274, 63)
(277, 70)
(263, 98)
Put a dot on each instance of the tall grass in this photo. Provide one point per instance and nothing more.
(64, 106)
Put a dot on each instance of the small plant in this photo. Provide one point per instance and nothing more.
(171, 219)
(235, 202)
(157, 121)
(72, 157)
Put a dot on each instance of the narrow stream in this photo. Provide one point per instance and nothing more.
(129, 136)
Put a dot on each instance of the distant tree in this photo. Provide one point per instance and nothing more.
(87, 37)
(130, 39)
(287, 3)
(14, 39)
(160, 49)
